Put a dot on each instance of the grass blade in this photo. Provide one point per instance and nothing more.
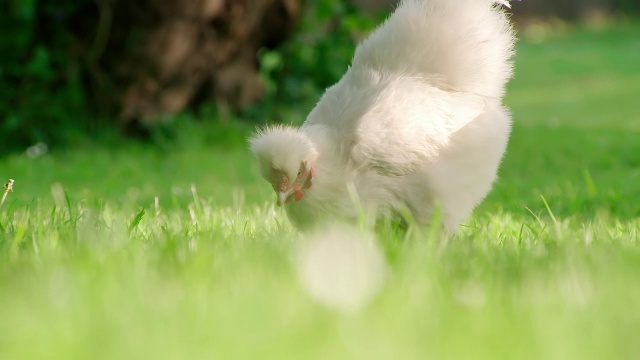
(136, 220)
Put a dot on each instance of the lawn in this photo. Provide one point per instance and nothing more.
(177, 252)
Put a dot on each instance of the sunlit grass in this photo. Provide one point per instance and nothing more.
(179, 253)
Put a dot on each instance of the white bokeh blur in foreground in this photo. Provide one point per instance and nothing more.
(341, 267)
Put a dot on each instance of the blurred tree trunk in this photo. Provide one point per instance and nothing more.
(192, 51)
(144, 59)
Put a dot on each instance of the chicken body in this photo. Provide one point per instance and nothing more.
(415, 124)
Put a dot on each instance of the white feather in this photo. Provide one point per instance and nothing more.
(281, 147)
(416, 122)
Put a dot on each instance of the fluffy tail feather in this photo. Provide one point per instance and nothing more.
(467, 43)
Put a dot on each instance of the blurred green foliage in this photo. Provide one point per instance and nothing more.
(41, 73)
(315, 58)
(628, 5)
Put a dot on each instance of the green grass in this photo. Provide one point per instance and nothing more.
(548, 267)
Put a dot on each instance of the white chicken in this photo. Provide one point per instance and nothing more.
(415, 124)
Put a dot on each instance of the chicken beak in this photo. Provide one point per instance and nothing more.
(284, 195)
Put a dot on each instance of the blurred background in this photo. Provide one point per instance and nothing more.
(78, 69)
